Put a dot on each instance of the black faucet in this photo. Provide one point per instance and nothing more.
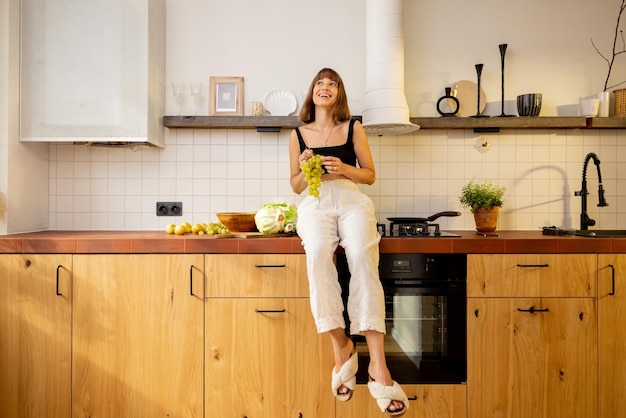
(585, 220)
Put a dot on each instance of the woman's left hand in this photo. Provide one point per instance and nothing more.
(333, 165)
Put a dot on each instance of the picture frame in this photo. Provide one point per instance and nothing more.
(226, 96)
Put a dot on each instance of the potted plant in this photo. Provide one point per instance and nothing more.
(484, 200)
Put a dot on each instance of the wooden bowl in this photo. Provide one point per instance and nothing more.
(238, 221)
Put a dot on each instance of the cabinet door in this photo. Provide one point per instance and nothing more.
(532, 357)
(138, 336)
(611, 334)
(35, 335)
(531, 275)
(264, 359)
(425, 401)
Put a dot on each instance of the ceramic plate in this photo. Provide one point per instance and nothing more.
(467, 93)
(280, 102)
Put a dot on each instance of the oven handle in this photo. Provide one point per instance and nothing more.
(416, 283)
(426, 290)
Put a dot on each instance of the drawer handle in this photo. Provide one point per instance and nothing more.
(191, 280)
(270, 310)
(533, 310)
(59, 267)
(269, 266)
(533, 265)
(612, 292)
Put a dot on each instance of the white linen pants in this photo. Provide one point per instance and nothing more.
(342, 215)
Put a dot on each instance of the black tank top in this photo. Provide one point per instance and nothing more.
(344, 152)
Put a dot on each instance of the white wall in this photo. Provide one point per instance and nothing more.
(549, 50)
(4, 106)
(281, 44)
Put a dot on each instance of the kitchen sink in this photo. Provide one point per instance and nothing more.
(601, 233)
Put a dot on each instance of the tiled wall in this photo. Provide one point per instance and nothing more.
(99, 188)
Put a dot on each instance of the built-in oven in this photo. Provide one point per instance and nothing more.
(425, 304)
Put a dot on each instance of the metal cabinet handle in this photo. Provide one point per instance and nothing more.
(269, 266)
(191, 280)
(533, 265)
(612, 292)
(270, 310)
(533, 310)
(59, 267)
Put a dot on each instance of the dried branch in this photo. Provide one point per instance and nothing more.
(615, 52)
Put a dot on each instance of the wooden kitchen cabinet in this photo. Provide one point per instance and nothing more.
(532, 336)
(425, 401)
(264, 358)
(531, 275)
(138, 335)
(611, 334)
(35, 335)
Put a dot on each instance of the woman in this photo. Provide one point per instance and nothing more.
(342, 215)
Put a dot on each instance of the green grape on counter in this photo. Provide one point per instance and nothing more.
(212, 228)
(313, 170)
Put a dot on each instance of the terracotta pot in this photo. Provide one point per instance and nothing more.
(486, 219)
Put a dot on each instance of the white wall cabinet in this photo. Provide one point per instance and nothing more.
(92, 71)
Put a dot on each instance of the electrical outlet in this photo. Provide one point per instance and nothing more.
(169, 208)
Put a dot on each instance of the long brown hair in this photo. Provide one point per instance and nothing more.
(341, 112)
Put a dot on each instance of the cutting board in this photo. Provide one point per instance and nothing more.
(252, 235)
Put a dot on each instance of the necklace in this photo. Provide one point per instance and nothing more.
(319, 132)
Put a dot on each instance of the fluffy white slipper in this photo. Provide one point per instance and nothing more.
(385, 394)
(346, 376)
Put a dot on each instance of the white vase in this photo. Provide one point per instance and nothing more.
(605, 99)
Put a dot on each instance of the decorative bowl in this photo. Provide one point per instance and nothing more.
(529, 104)
(238, 221)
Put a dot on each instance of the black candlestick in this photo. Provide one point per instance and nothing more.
(479, 71)
(502, 54)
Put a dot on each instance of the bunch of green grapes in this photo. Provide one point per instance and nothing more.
(313, 170)
(214, 228)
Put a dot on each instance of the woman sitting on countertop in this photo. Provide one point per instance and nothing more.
(342, 215)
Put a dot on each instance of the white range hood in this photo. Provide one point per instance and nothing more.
(385, 111)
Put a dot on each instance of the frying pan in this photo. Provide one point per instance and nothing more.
(423, 220)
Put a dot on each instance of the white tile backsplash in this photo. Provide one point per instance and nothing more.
(417, 175)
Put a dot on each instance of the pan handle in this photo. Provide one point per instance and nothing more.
(440, 214)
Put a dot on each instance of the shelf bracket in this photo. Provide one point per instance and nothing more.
(486, 130)
(268, 128)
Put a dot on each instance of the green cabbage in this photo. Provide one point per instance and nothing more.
(273, 218)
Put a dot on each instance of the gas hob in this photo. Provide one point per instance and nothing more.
(417, 227)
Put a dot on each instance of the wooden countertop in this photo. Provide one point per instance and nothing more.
(150, 242)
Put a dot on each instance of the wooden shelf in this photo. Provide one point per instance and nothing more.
(497, 122)
(493, 123)
(231, 122)
(610, 123)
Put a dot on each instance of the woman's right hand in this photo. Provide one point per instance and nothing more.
(306, 154)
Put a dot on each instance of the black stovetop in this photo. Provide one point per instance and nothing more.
(416, 230)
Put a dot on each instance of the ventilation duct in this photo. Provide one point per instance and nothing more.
(385, 111)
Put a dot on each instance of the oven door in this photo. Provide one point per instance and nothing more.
(425, 339)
